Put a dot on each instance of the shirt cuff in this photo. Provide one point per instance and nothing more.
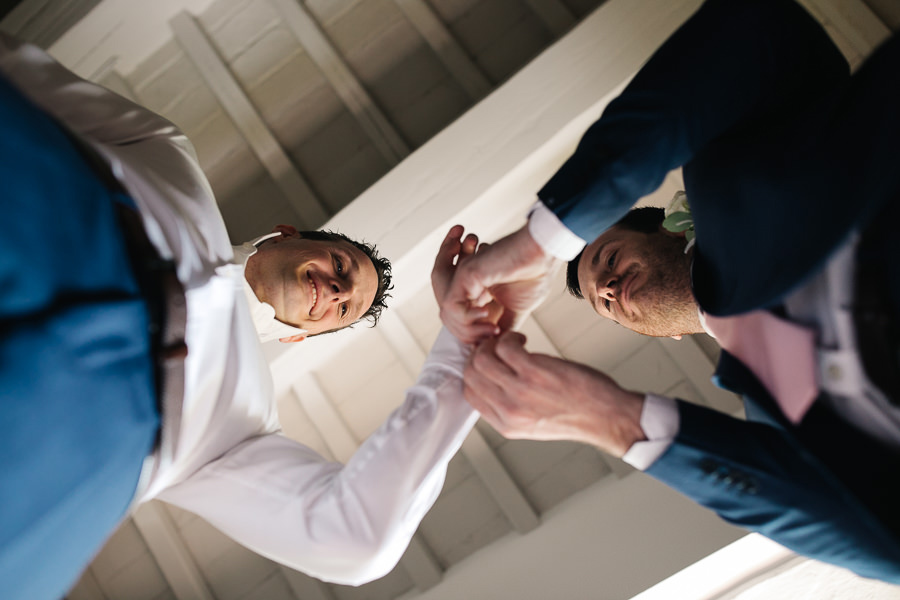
(660, 422)
(551, 235)
(448, 353)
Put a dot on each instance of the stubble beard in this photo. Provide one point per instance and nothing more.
(667, 302)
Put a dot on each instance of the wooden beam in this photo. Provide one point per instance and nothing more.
(351, 91)
(87, 588)
(498, 482)
(554, 14)
(855, 21)
(117, 83)
(305, 587)
(448, 50)
(420, 564)
(235, 102)
(170, 552)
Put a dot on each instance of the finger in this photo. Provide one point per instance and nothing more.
(442, 270)
(510, 348)
(450, 247)
(487, 363)
(469, 245)
(483, 403)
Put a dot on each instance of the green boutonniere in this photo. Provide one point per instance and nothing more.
(678, 219)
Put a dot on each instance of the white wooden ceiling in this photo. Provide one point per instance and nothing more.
(390, 120)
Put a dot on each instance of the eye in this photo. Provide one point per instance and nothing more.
(338, 265)
(344, 310)
(607, 304)
(612, 259)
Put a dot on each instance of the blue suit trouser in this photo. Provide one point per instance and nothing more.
(78, 409)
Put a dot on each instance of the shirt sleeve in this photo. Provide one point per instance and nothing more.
(85, 108)
(350, 523)
(660, 422)
(551, 235)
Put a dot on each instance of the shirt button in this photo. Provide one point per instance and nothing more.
(835, 373)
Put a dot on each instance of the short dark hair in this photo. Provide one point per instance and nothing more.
(382, 269)
(647, 219)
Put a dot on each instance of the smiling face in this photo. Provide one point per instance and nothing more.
(317, 285)
(640, 280)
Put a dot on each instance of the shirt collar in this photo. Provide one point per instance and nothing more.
(263, 314)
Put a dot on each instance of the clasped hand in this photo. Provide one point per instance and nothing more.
(524, 395)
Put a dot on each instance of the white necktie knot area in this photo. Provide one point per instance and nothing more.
(781, 354)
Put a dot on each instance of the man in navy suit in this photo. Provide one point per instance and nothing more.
(790, 171)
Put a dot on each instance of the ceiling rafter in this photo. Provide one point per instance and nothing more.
(253, 128)
(346, 85)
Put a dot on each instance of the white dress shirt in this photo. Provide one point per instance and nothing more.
(222, 456)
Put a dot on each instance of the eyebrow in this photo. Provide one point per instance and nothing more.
(596, 258)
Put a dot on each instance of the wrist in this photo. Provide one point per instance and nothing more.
(618, 429)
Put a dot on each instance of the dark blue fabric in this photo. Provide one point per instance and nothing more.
(784, 154)
(77, 400)
(762, 478)
(753, 99)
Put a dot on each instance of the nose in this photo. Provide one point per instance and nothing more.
(608, 288)
(339, 290)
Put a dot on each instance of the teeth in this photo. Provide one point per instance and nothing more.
(314, 294)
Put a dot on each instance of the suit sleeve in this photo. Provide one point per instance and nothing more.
(755, 476)
(343, 523)
(729, 66)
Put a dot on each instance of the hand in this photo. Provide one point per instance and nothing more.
(515, 271)
(454, 248)
(539, 397)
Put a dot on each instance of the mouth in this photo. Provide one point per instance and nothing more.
(313, 293)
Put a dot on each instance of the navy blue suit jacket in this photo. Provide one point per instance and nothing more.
(784, 154)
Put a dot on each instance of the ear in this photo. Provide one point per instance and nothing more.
(286, 231)
(293, 338)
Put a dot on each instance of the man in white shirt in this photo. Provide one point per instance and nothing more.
(119, 282)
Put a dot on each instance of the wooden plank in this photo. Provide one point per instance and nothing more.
(87, 588)
(171, 553)
(554, 14)
(305, 587)
(419, 563)
(448, 50)
(498, 482)
(854, 20)
(235, 102)
(346, 85)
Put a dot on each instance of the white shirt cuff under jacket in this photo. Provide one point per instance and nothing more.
(660, 422)
(551, 235)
